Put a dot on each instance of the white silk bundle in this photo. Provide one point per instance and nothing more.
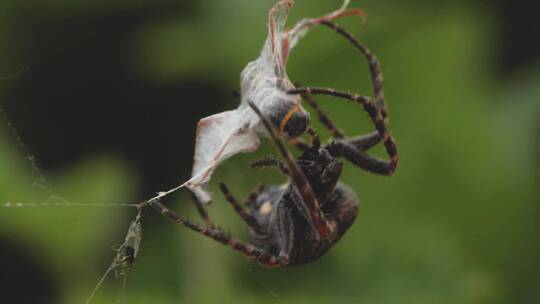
(264, 82)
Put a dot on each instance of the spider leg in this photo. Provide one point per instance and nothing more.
(299, 143)
(367, 162)
(362, 142)
(284, 229)
(271, 162)
(374, 67)
(310, 205)
(341, 148)
(252, 196)
(202, 211)
(366, 142)
(315, 140)
(302, 145)
(248, 218)
(251, 252)
(323, 118)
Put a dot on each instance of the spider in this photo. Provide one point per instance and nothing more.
(296, 223)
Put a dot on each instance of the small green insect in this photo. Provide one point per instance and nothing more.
(128, 251)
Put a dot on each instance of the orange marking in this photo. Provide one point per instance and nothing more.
(288, 117)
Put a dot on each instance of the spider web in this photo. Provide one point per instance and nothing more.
(128, 249)
(121, 263)
(119, 266)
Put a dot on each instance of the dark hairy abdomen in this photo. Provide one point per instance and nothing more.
(340, 210)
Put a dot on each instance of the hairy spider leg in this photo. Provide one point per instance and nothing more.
(377, 111)
(311, 206)
(299, 143)
(374, 67)
(251, 252)
(302, 145)
(315, 140)
(253, 194)
(357, 145)
(202, 211)
(323, 118)
(246, 216)
(362, 142)
(271, 162)
(345, 149)
(367, 141)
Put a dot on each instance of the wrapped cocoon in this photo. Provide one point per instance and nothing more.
(264, 82)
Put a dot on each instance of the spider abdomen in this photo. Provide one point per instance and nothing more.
(288, 233)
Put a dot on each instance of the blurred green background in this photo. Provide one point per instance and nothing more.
(105, 96)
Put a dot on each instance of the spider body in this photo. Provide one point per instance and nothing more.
(298, 222)
(287, 232)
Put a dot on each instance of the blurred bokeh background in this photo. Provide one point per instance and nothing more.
(105, 96)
